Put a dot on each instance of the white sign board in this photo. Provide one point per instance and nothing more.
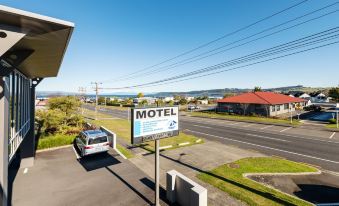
(154, 123)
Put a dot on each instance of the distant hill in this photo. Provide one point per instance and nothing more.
(211, 92)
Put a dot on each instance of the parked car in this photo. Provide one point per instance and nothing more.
(192, 107)
(92, 142)
(313, 107)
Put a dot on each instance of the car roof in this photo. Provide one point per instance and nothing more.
(94, 133)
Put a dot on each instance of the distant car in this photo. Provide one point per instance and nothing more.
(92, 142)
(192, 107)
(313, 107)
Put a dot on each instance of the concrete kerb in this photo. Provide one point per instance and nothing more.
(54, 148)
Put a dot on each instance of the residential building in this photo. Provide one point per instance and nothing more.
(319, 97)
(202, 101)
(260, 103)
(149, 100)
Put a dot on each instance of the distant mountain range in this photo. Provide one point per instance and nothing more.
(210, 92)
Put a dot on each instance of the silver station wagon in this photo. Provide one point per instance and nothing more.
(92, 142)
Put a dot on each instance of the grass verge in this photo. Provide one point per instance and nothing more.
(55, 141)
(125, 151)
(245, 118)
(332, 126)
(229, 178)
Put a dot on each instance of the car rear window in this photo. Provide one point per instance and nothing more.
(97, 140)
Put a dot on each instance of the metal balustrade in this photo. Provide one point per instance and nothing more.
(19, 110)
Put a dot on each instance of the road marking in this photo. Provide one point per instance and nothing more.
(271, 148)
(267, 127)
(235, 123)
(247, 125)
(76, 153)
(254, 135)
(266, 132)
(25, 170)
(285, 129)
(201, 126)
(332, 135)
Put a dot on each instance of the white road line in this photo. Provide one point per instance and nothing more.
(25, 170)
(76, 154)
(285, 129)
(235, 123)
(254, 135)
(332, 135)
(248, 125)
(271, 148)
(268, 132)
(267, 127)
(201, 126)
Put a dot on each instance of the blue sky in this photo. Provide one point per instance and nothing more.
(115, 38)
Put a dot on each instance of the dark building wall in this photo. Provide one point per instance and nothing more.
(243, 109)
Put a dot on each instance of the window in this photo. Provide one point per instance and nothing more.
(278, 107)
(97, 140)
(286, 106)
(273, 108)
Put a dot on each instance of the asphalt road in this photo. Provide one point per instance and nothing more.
(298, 147)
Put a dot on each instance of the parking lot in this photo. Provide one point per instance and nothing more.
(59, 178)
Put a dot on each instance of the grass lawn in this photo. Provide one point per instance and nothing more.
(332, 126)
(244, 118)
(55, 141)
(229, 178)
(125, 151)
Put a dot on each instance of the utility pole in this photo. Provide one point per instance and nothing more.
(96, 89)
(82, 95)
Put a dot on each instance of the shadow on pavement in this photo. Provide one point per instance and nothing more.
(96, 161)
(13, 170)
(318, 193)
(130, 186)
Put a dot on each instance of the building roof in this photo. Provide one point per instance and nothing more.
(42, 41)
(261, 98)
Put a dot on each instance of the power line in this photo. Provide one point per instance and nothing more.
(201, 55)
(257, 55)
(215, 40)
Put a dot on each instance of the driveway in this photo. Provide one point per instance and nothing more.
(59, 178)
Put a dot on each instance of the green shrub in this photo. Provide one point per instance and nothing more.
(55, 141)
(332, 121)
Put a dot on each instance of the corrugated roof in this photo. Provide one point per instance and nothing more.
(261, 98)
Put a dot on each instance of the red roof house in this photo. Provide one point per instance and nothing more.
(262, 103)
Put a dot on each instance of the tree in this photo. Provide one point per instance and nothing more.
(182, 101)
(67, 104)
(334, 93)
(140, 94)
(257, 89)
(101, 100)
(228, 95)
(177, 97)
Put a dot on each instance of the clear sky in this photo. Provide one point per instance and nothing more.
(115, 38)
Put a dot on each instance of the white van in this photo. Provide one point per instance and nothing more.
(92, 142)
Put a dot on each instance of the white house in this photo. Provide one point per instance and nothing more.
(203, 101)
(149, 100)
(189, 98)
(319, 97)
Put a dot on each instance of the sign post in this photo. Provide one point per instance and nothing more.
(153, 124)
(156, 174)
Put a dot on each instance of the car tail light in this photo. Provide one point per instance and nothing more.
(88, 147)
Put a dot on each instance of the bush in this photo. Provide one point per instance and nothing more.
(55, 141)
(332, 121)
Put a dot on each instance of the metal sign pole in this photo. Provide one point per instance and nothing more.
(337, 119)
(157, 172)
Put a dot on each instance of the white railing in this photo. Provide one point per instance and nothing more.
(17, 138)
